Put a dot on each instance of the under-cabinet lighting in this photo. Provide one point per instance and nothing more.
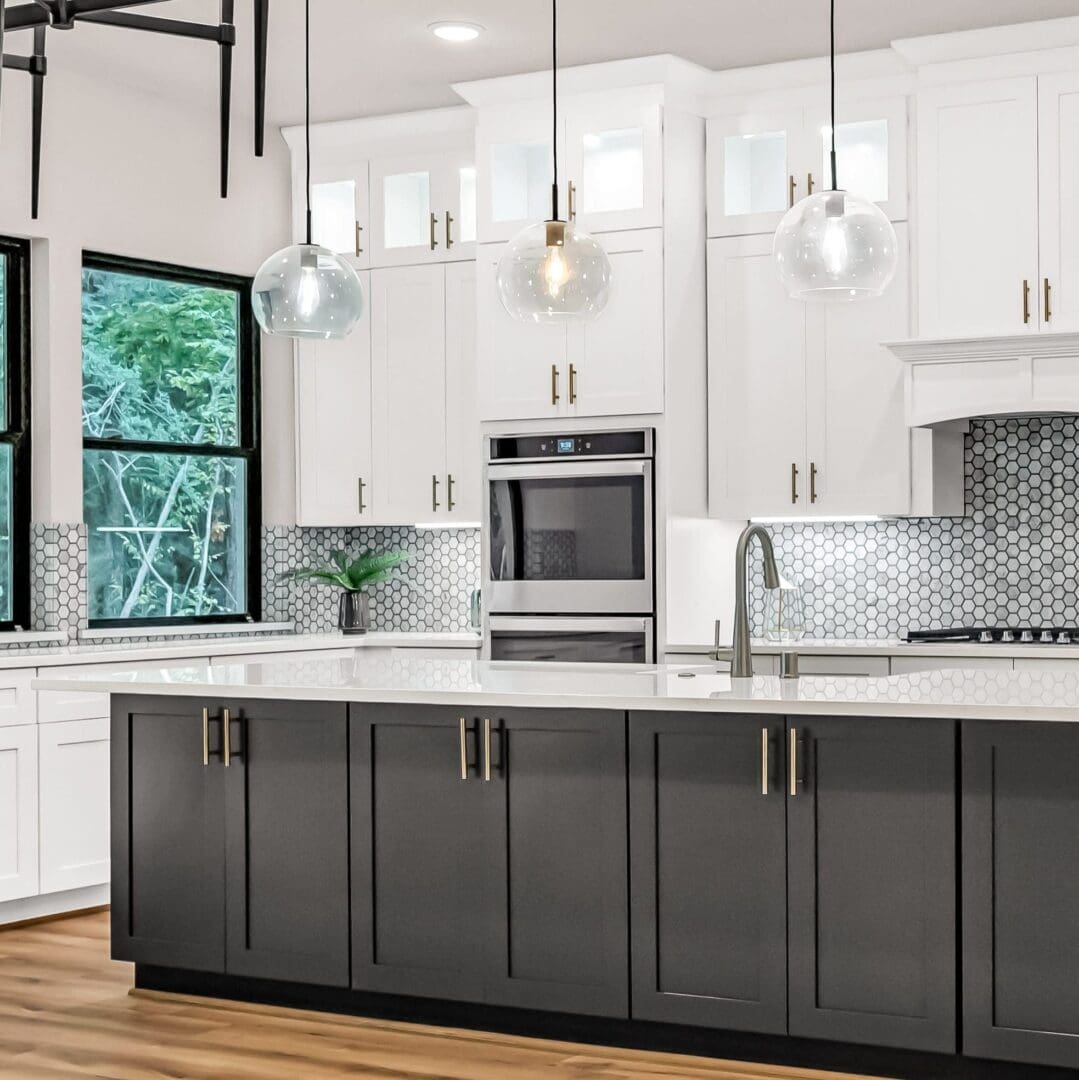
(457, 32)
(819, 519)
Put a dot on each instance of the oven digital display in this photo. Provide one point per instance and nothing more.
(565, 446)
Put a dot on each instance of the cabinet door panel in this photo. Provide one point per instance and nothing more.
(557, 851)
(1020, 865)
(18, 703)
(74, 804)
(1058, 147)
(618, 358)
(463, 442)
(406, 222)
(871, 883)
(333, 433)
(858, 441)
(408, 330)
(287, 842)
(18, 812)
(756, 384)
(708, 871)
(977, 154)
(339, 209)
(420, 860)
(168, 834)
(523, 368)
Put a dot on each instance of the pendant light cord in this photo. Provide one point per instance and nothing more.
(307, 104)
(835, 185)
(554, 102)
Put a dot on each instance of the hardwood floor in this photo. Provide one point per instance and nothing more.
(67, 1010)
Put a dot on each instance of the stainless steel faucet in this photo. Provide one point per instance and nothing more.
(742, 654)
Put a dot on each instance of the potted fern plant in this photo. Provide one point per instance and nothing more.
(353, 575)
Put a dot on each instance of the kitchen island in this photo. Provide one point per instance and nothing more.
(871, 873)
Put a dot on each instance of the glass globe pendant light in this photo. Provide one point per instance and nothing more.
(304, 290)
(835, 247)
(552, 271)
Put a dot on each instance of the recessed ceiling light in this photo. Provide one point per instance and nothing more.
(456, 31)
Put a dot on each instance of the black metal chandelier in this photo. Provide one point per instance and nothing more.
(40, 16)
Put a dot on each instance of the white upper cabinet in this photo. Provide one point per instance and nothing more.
(761, 164)
(463, 443)
(978, 208)
(333, 430)
(339, 212)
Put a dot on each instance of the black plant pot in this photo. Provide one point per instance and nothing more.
(354, 613)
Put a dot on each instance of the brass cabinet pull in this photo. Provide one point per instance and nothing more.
(572, 385)
(1026, 301)
(764, 761)
(206, 736)
(1047, 290)
(809, 184)
(554, 384)
(794, 482)
(226, 725)
(464, 747)
(359, 238)
(487, 749)
(572, 201)
(450, 504)
(362, 506)
(791, 188)
(449, 230)
(794, 761)
(812, 481)
(434, 225)
(434, 492)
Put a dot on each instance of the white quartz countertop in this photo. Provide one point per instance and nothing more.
(895, 647)
(475, 684)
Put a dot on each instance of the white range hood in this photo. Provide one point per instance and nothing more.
(959, 379)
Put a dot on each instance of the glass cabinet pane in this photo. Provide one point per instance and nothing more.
(406, 210)
(861, 158)
(333, 215)
(467, 204)
(613, 173)
(755, 173)
(521, 181)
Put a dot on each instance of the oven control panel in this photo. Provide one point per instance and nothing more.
(604, 444)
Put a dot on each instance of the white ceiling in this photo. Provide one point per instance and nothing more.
(377, 56)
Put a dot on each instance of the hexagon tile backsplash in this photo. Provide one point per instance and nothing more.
(1012, 559)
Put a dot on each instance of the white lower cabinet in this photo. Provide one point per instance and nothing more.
(18, 812)
(910, 665)
(17, 704)
(73, 759)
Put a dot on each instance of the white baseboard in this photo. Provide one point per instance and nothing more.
(41, 907)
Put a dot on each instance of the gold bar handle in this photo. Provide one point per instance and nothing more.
(487, 749)
(361, 503)
(794, 761)
(792, 185)
(1047, 290)
(227, 725)
(359, 238)
(764, 761)
(449, 230)
(450, 504)
(434, 492)
(572, 201)
(794, 482)
(1026, 301)
(206, 736)
(554, 384)
(572, 385)
(812, 481)
(464, 747)
(809, 184)
(434, 226)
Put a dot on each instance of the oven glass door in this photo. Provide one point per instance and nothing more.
(568, 644)
(571, 538)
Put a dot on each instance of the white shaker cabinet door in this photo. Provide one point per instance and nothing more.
(858, 442)
(523, 366)
(74, 804)
(616, 360)
(17, 701)
(408, 337)
(333, 430)
(339, 209)
(463, 442)
(756, 385)
(18, 812)
(978, 208)
(1058, 140)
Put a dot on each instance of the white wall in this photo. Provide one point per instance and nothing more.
(129, 172)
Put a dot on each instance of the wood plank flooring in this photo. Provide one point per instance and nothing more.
(67, 1010)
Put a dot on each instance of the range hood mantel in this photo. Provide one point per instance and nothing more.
(963, 378)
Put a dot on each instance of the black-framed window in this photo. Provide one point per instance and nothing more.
(14, 433)
(171, 469)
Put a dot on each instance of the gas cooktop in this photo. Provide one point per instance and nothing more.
(998, 635)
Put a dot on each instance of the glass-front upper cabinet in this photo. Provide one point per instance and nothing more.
(423, 208)
(614, 165)
(339, 206)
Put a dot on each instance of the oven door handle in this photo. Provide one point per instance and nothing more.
(615, 625)
(568, 470)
